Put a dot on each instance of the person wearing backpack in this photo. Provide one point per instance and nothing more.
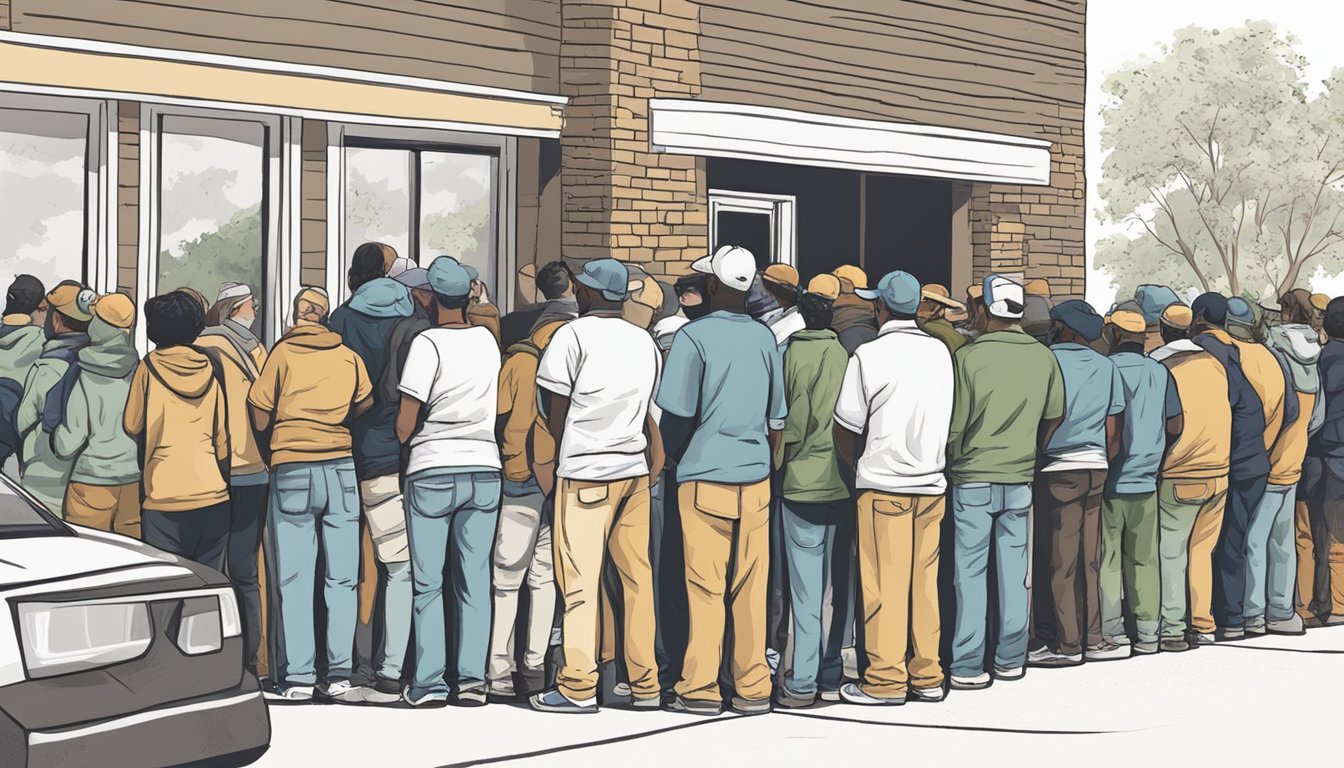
(45, 475)
(104, 489)
(307, 395)
(20, 344)
(177, 412)
(365, 322)
(228, 337)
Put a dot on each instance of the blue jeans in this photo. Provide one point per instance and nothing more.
(816, 538)
(450, 519)
(314, 517)
(1229, 557)
(985, 515)
(1271, 557)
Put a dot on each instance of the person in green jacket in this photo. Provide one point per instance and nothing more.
(104, 489)
(818, 524)
(43, 474)
(20, 344)
(934, 303)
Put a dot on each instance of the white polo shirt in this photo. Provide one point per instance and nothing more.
(898, 387)
(455, 373)
(608, 368)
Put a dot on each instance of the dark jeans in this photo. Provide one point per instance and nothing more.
(200, 535)
(247, 521)
(1066, 580)
(1229, 557)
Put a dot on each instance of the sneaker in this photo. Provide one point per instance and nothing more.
(1107, 651)
(1333, 620)
(621, 690)
(383, 692)
(1196, 639)
(501, 693)
(971, 682)
(679, 703)
(340, 692)
(829, 696)
(1255, 627)
(557, 702)
(1230, 634)
(292, 693)
(1146, 647)
(750, 706)
(928, 695)
(474, 696)
(432, 699)
(790, 700)
(854, 694)
(1290, 626)
(646, 703)
(534, 681)
(1045, 657)
(1009, 674)
(1174, 645)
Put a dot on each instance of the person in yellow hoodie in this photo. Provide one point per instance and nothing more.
(177, 412)
(229, 337)
(310, 389)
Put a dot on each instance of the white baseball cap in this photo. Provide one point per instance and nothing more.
(733, 265)
(1004, 297)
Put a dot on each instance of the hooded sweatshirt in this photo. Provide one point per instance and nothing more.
(311, 384)
(177, 410)
(365, 324)
(91, 432)
(44, 474)
(1297, 347)
(241, 357)
(814, 369)
(20, 344)
(526, 439)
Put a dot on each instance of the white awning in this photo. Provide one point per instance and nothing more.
(713, 129)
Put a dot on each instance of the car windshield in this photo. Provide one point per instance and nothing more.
(20, 515)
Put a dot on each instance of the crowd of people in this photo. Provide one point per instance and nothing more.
(731, 488)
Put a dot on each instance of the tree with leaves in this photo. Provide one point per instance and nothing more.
(1225, 164)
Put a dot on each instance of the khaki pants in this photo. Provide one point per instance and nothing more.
(114, 508)
(726, 531)
(898, 574)
(523, 552)
(594, 519)
(1190, 516)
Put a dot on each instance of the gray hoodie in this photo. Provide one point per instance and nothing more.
(91, 434)
(1298, 347)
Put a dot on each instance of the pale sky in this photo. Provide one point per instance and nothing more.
(1119, 31)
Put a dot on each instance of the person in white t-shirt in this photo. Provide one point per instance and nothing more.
(597, 377)
(449, 401)
(898, 389)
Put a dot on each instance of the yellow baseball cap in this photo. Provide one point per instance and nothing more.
(1177, 316)
(1319, 301)
(115, 309)
(1128, 320)
(72, 300)
(856, 276)
(825, 286)
(781, 274)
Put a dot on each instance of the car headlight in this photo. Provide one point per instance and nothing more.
(231, 625)
(59, 639)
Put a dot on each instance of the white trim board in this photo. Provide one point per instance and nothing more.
(264, 65)
(685, 127)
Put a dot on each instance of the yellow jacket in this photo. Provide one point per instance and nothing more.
(240, 370)
(178, 410)
(527, 440)
(1204, 449)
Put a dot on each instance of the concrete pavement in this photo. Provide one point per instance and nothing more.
(1269, 698)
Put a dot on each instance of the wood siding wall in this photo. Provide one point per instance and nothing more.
(503, 43)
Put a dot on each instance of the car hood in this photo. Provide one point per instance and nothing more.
(114, 559)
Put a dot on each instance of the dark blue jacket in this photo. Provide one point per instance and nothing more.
(1249, 457)
(365, 322)
(1328, 442)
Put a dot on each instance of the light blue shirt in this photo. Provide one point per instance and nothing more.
(725, 372)
(1092, 392)
(1150, 399)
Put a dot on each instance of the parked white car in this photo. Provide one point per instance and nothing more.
(114, 653)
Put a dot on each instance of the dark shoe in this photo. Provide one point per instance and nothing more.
(790, 700)
(1174, 645)
(646, 703)
(678, 703)
(750, 706)
(471, 697)
(1197, 639)
(1230, 634)
(533, 680)
(383, 692)
(1146, 648)
(499, 694)
(555, 701)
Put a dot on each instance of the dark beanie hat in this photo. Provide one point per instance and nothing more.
(24, 295)
(1211, 307)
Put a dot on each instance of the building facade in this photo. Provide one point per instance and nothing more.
(155, 144)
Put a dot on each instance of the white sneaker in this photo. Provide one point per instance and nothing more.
(1010, 673)
(1047, 657)
(427, 700)
(341, 691)
(291, 693)
(1107, 651)
(971, 682)
(927, 694)
(1255, 626)
(829, 695)
(621, 689)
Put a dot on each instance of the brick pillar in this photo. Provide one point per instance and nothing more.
(621, 199)
(313, 188)
(128, 195)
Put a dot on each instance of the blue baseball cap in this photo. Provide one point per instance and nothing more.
(449, 278)
(608, 276)
(1153, 299)
(898, 290)
(1080, 317)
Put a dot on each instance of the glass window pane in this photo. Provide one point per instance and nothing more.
(457, 210)
(377, 198)
(42, 181)
(212, 188)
